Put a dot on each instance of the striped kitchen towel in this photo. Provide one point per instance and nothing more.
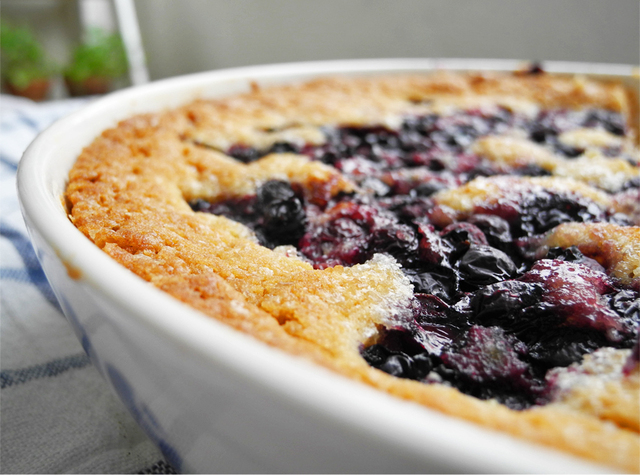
(58, 415)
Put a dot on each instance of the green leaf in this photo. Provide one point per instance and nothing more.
(102, 55)
(23, 57)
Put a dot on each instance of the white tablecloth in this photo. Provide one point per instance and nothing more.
(58, 415)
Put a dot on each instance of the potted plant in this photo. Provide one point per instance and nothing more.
(26, 71)
(96, 63)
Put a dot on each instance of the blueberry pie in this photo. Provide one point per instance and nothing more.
(469, 242)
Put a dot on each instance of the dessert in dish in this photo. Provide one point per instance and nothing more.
(469, 242)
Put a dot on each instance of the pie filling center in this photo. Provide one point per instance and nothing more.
(493, 309)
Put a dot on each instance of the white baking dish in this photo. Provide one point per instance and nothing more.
(213, 399)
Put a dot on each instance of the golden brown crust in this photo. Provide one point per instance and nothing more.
(129, 189)
(616, 248)
(262, 116)
(606, 173)
(597, 386)
(510, 189)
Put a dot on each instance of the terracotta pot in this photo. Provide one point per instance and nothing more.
(37, 89)
(89, 87)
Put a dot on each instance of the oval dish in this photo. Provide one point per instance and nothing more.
(213, 399)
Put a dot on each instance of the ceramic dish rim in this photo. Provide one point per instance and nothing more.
(38, 183)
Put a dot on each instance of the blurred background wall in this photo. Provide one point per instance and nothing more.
(194, 35)
(184, 36)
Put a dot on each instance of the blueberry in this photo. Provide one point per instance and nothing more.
(484, 265)
(611, 121)
(562, 347)
(568, 151)
(398, 363)
(408, 208)
(275, 190)
(375, 355)
(421, 125)
(441, 282)
(422, 365)
(570, 254)
(531, 170)
(573, 254)
(461, 235)
(239, 209)
(439, 325)
(545, 210)
(491, 364)
(429, 188)
(457, 233)
(534, 69)
(283, 147)
(342, 236)
(284, 217)
(400, 341)
(371, 143)
(502, 303)
(632, 184)
(395, 239)
(495, 229)
(244, 153)
(542, 134)
(200, 205)
(487, 354)
(575, 294)
(627, 303)
(548, 125)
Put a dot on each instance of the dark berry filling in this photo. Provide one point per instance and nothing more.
(276, 213)
(441, 143)
(538, 212)
(283, 215)
(490, 315)
(550, 124)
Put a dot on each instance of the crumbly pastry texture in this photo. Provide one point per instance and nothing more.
(132, 192)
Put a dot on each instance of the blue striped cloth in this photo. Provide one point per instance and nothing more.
(58, 415)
